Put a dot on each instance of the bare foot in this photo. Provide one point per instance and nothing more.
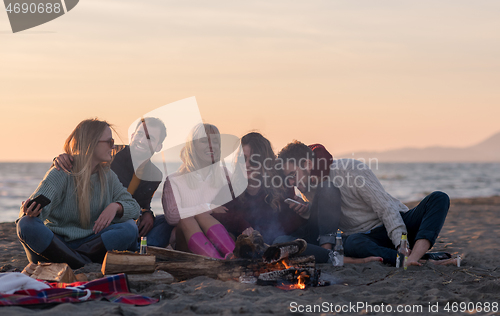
(413, 263)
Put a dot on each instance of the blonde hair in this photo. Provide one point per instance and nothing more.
(191, 161)
(81, 144)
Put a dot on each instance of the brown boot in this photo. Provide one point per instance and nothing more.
(93, 249)
(58, 252)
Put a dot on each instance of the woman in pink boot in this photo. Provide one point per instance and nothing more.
(187, 195)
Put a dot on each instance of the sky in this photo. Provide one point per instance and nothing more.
(352, 75)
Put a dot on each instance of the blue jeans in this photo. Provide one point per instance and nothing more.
(422, 222)
(159, 235)
(36, 237)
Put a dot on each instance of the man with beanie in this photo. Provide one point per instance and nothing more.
(349, 197)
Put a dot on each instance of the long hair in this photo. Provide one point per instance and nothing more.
(262, 155)
(190, 160)
(81, 144)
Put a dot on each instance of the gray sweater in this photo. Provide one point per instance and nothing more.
(61, 215)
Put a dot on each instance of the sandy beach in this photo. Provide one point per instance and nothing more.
(472, 229)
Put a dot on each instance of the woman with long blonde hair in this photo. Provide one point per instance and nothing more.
(188, 193)
(89, 213)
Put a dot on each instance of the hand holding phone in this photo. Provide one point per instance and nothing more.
(298, 207)
(33, 207)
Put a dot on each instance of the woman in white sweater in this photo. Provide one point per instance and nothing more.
(188, 193)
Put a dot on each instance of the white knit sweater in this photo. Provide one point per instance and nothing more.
(364, 202)
(181, 201)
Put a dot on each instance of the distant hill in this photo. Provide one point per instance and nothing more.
(486, 151)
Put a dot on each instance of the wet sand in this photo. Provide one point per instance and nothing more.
(472, 229)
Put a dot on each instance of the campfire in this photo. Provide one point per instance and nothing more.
(278, 265)
(291, 274)
(283, 269)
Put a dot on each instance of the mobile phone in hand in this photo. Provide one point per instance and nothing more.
(39, 199)
(290, 201)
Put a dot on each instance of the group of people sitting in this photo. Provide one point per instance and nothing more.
(101, 200)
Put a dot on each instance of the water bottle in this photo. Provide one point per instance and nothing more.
(338, 251)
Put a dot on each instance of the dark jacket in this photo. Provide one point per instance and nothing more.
(123, 166)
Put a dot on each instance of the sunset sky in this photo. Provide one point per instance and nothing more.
(353, 75)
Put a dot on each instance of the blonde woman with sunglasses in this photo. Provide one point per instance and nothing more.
(90, 212)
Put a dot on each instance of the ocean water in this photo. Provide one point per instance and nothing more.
(405, 181)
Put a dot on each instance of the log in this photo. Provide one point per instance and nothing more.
(142, 281)
(29, 269)
(277, 252)
(183, 265)
(53, 272)
(127, 262)
(89, 276)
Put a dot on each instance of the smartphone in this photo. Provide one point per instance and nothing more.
(289, 201)
(39, 199)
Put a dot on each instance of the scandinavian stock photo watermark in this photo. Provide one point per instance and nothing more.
(293, 172)
(26, 14)
(364, 307)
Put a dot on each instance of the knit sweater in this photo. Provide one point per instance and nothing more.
(61, 216)
(179, 200)
(364, 202)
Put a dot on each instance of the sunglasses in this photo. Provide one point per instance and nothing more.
(111, 142)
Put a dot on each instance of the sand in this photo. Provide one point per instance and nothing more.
(472, 229)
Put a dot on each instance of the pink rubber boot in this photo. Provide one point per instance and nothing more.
(200, 245)
(219, 236)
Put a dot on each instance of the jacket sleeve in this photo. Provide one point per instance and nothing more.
(131, 209)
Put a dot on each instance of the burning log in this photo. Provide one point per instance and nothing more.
(183, 265)
(280, 251)
(287, 274)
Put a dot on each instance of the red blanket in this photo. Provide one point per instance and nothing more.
(113, 288)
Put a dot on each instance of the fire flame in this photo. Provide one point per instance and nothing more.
(285, 263)
(301, 280)
(301, 276)
(289, 287)
(300, 285)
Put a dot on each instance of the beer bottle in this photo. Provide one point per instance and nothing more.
(144, 245)
(339, 250)
(402, 256)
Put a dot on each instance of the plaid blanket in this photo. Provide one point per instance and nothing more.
(113, 288)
